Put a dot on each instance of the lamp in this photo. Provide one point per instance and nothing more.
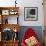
(15, 30)
(15, 37)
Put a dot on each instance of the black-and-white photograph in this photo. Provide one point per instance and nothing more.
(31, 13)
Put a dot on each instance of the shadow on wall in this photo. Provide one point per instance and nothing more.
(37, 29)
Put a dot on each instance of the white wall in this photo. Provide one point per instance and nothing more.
(6, 3)
(26, 3)
(32, 3)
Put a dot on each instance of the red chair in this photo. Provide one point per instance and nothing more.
(29, 33)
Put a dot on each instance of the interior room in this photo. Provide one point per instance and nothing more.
(22, 23)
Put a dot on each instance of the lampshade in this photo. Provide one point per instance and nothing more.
(15, 30)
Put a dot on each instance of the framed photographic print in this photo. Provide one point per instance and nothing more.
(13, 12)
(5, 12)
(30, 13)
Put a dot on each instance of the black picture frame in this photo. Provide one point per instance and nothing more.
(31, 13)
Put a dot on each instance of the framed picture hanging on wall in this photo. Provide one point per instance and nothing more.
(30, 13)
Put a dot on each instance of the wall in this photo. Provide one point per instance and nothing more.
(6, 3)
(26, 3)
(32, 3)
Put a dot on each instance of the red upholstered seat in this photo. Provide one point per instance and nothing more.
(29, 33)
